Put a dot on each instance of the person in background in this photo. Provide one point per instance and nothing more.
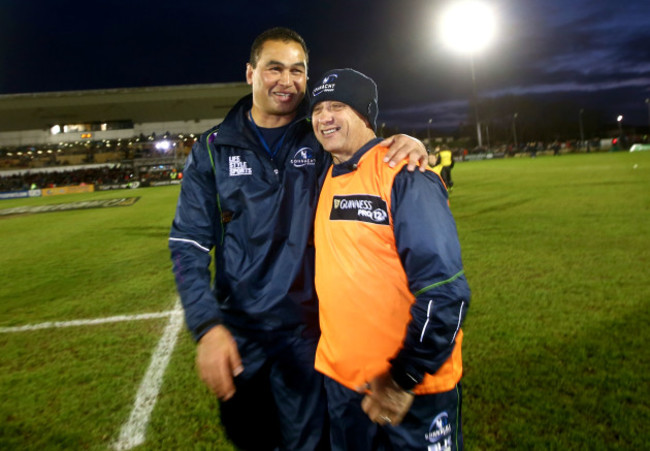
(249, 193)
(442, 162)
(390, 282)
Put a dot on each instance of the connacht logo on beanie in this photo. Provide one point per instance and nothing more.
(327, 85)
(352, 88)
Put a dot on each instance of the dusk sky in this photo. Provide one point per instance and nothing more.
(593, 54)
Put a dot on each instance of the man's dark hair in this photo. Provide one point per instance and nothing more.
(276, 34)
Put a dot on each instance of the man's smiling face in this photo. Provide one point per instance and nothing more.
(340, 129)
(279, 80)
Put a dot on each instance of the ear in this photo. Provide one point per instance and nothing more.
(249, 73)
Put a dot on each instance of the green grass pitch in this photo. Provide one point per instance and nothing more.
(556, 251)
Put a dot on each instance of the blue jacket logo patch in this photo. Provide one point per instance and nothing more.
(238, 167)
(303, 157)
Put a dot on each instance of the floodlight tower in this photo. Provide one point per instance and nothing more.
(468, 26)
(582, 132)
(514, 130)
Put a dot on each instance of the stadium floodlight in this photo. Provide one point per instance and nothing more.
(468, 27)
(163, 145)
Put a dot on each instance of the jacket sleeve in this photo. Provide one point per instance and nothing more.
(192, 237)
(428, 245)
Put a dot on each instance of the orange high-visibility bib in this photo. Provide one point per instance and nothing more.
(362, 287)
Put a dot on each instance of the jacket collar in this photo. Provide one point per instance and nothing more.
(235, 130)
(353, 163)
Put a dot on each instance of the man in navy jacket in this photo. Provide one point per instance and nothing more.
(249, 193)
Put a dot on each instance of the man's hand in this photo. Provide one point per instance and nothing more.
(386, 402)
(218, 361)
(402, 146)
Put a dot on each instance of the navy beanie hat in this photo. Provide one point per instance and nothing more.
(350, 87)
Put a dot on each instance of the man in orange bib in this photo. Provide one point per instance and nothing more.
(390, 283)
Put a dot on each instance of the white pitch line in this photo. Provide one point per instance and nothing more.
(133, 431)
(88, 322)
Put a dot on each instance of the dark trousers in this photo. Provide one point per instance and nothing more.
(445, 174)
(280, 400)
(433, 423)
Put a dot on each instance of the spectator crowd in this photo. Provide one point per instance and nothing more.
(42, 180)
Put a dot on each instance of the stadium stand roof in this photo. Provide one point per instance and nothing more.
(40, 111)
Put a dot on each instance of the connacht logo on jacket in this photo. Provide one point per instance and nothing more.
(303, 157)
(360, 207)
